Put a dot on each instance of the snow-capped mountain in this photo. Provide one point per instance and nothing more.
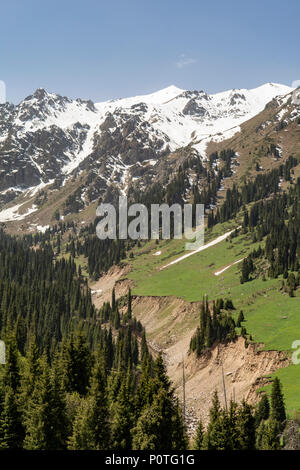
(48, 138)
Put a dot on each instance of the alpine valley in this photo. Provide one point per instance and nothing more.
(131, 344)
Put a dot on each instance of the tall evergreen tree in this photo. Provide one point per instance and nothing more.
(129, 309)
(11, 428)
(77, 362)
(270, 437)
(277, 403)
(122, 418)
(91, 427)
(198, 444)
(45, 420)
(263, 410)
(246, 427)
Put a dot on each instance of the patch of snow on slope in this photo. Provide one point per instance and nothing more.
(42, 228)
(87, 148)
(217, 273)
(201, 248)
(12, 213)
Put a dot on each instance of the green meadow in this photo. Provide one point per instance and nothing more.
(272, 317)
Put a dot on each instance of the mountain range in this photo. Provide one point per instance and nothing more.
(49, 141)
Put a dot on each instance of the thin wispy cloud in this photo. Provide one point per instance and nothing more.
(184, 61)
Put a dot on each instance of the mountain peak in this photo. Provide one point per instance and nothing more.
(282, 89)
(172, 89)
(158, 97)
(40, 92)
(165, 94)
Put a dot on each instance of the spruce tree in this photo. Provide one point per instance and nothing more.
(155, 428)
(161, 379)
(12, 373)
(113, 299)
(145, 434)
(77, 362)
(45, 420)
(263, 410)
(91, 425)
(246, 427)
(198, 444)
(11, 428)
(129, 309)
(223, 429)
(122, 419)
(270, 438)
(145, 390)
(277, 403)
(144, 346)
(30, 374)
(179, 431)
(240, 319)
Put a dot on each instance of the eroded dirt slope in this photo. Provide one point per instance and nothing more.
(170, 323)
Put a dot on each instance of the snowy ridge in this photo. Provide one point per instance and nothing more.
(48, 138)
(221, 111)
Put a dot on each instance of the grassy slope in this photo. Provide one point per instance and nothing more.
(272, 318)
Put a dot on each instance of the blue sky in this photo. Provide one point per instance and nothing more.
(110, 49)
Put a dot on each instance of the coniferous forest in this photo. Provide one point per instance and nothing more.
(79, 378)
(76, 377)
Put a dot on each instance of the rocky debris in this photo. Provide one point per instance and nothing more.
(191, 421)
